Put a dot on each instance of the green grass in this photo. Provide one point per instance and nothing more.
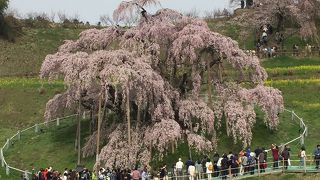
(21, 103)
(287, 176)
(25, 56)
(286, 61)
(52, 147)
(22, 106)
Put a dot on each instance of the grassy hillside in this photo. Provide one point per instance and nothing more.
(24, 57)
(22, 106)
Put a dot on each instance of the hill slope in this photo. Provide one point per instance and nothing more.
(25, 56)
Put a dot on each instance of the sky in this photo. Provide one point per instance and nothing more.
(91, 10)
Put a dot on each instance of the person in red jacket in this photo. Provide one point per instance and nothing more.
(275, 155)
(135, 174)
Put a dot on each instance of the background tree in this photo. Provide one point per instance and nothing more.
(10, 27)
(280, 12)
(152, 78)
(3, 7)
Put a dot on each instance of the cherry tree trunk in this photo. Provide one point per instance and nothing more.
(79, 132)
(138, 116)
(98, 135)
(128, 115)
(209, 91)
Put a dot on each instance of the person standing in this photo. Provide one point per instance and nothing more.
(224, 166)
(179, 166)
(244, 164)
(302, 156)
(191, 171)
(215, 164)
(144, 173)
(135, 174)
(163, 172)
(242, 4)
(316, 154)
(285, 155)
(261, 161)
(199, 169)
(275, 155)
(209, 167)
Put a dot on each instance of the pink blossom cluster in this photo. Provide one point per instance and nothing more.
(190, 109)
(200, 143)
(304, 12)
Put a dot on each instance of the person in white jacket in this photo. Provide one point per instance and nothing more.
(192, 171)
(209, 167)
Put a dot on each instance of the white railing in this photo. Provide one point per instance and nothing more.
(302, 126)
(17, 137)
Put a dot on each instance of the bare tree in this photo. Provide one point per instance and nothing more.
(62, 16)
(194, 13)
(209, 14)
(106, 20)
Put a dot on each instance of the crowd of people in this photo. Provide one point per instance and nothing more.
(230, 164)
(242, 163)
(80, 173)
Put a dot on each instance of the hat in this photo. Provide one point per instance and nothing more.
(179, 159)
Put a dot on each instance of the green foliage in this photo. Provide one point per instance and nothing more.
(10, 27)
(3, 6)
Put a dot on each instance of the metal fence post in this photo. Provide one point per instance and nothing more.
(306, 134)
(2, 158)
(36, 129)
(8, 144)
(7, 170)
(304, 164)
(302, 140)
(19, 135)
(58, 121)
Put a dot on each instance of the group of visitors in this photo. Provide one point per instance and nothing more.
(262, 47)
(231, 164)
(68, 174)
(224, 166)
(308, 50)
(121, 174)
(242, 163)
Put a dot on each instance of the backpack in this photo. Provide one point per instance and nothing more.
(210, 167)
(299, 154)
